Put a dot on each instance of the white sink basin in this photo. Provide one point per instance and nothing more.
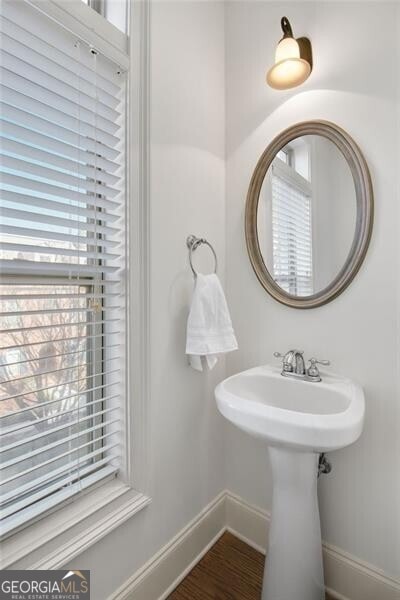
(298, 420)
(317, 417)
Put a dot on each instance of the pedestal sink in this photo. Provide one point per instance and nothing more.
(298, 420)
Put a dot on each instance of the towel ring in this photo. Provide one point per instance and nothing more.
(193, 243)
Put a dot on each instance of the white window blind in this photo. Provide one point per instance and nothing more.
(61, 264)
(291, 232)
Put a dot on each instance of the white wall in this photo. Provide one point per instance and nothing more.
(187, 196)
(354, 85)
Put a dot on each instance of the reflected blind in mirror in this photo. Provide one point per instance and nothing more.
(61, 263)
(291, 233)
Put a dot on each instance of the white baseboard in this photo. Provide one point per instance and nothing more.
(163, 573)
(248, 523)
(347, 578)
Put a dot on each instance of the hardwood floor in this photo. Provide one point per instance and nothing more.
(231, 570)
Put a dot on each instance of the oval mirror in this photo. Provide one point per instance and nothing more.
(309, 214)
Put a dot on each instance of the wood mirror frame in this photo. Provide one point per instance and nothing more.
(364, 213)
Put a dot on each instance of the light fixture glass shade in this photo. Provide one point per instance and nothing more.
(288, 73)
(287, 48)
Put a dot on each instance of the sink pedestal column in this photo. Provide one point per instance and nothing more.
(293, 568)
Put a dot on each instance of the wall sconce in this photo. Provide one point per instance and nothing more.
(293, 60)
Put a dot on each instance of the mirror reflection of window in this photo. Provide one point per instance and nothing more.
(291, 206)
(302, 222)
(284, 156)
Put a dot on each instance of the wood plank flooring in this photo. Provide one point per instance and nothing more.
(231, 570)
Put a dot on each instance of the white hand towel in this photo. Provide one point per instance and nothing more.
(209, 327)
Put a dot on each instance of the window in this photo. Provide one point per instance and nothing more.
(61, 264)
(292, 223)
(285, 155)
(115, 11)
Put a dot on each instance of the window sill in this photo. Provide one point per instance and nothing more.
(59, 537)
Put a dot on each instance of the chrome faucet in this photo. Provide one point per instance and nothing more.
(293, 365)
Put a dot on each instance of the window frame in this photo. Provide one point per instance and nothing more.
(73, 526)
(102, 7)
(97, 5)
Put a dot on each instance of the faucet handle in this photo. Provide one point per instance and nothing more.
(285, 365)
(315, 361)
(312, 370)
